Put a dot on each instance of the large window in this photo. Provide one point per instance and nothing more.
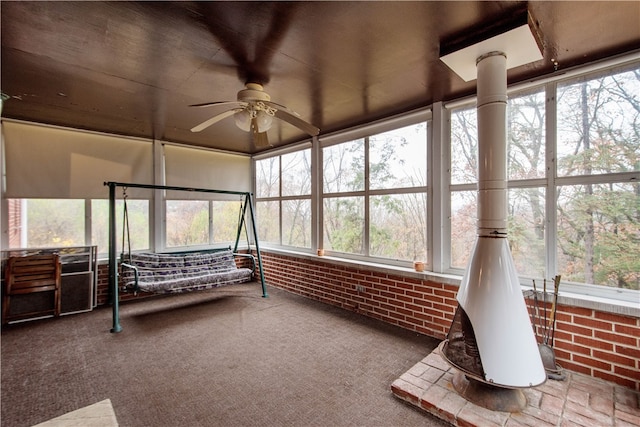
(283, 199)
(373, 198)
(40, 223)
(48, 223)
(201, 222)
(599, 234)
(375, 195)
(70, 222)
(587, 174)
(598, 197)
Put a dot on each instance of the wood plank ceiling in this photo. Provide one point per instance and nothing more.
(133, 68)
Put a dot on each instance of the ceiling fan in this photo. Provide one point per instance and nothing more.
(254, 112)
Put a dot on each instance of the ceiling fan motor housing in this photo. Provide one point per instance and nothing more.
(253, 92)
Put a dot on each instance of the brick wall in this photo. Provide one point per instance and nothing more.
(103, 288)
(596, 343)
(15, 223)
(603, 345)
(103, 284)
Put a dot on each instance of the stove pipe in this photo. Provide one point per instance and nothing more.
(491, 338)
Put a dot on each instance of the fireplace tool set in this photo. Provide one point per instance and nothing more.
(543, 321)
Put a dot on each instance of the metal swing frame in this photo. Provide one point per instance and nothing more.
(113, 264)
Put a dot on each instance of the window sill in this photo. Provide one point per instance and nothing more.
(573, 299)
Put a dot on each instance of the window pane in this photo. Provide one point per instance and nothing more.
(398, 226)
(464, 146)
(296, 173)
(296, 223)
(187, 223)
(398, 158)
(268, 221)
(268, 177)
(526, 136)
(463, 226)
(138, 224)
(526, 233)
(344, 224)
(38, 223)
(343, 167)
(598, 122)
(599, 234)
(525, 229)
(225, 220)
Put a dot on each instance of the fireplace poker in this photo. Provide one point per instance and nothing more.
(556, 287)
(535, 301)
(544, 304)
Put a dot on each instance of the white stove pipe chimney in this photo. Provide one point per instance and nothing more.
(491, 340)
(491, 108)
(490, 292)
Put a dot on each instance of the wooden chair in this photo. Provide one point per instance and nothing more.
(29, 275)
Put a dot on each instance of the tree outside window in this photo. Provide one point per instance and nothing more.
(283, 199)
(375, 195)
(598, 140)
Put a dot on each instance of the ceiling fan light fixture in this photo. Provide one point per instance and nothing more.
(264, 121)
(254, 112)
(243, 120)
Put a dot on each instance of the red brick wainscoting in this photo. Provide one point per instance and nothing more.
(419, 305)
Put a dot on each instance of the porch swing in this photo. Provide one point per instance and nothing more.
(167, 273)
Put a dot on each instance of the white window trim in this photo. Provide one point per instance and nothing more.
(364, 132)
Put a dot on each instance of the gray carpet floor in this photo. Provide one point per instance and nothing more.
(222, 358)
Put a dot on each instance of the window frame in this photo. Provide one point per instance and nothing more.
(318, 195)
(279, 198)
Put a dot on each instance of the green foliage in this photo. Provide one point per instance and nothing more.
(138, 224)
(344, 226)
(598, 223)
(606, 215)
(55, 222)
(184, 223)
(397, 222)
(224, 221)
(268, 214)
(296, 223)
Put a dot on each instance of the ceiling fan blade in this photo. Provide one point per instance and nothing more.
(297, 122)
(236, 104)
(281, 107)
(260, 139)
(215, 119)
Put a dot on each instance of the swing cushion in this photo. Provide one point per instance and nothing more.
(167, 273)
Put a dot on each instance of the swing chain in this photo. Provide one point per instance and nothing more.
(125, 226)
(242, 223)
